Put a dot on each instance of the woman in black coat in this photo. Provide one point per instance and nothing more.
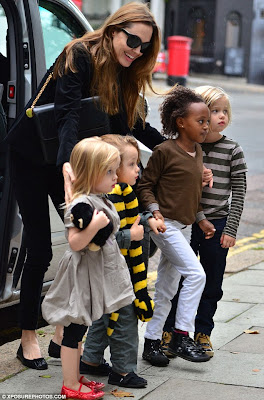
(115, 63)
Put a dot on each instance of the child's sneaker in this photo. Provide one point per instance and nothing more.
(204, 341)
(183, 346)
(165, 341)
(154, 354)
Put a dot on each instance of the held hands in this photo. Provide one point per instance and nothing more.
(227, 241)
(207, 177)
(69, 178)
(157, 215)
(207, 227)
(136, 230)
(157, 225)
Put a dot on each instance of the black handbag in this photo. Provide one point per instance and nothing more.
(93, 121)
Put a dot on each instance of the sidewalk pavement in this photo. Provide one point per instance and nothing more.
(233, 83)
(235, 372)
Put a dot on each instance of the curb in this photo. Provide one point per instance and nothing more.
(234, 83)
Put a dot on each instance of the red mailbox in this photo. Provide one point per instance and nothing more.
(179, 48)
(161, 63)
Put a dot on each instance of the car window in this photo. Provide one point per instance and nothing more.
(3, 24)
(59, 28)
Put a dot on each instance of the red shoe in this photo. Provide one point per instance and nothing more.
(77, 394)
(92, 384)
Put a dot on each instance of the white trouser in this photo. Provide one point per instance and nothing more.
(177, 258)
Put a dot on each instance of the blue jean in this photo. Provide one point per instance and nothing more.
(213, 260)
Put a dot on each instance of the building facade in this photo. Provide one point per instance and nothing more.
(228, 35)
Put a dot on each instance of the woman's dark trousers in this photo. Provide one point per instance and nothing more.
(32, 186)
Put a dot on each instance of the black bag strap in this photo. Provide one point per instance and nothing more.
(30, 110)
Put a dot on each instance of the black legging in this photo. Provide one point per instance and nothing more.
(32, 186)
(72, 335)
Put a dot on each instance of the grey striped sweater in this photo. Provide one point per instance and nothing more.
(226, 198)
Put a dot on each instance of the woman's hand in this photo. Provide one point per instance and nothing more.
(69, 178)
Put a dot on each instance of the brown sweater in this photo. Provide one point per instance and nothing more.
(173, 180)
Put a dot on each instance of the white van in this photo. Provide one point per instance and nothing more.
(32, 35)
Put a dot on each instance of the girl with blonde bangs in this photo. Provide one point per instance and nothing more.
(90, 160)
(90, 282)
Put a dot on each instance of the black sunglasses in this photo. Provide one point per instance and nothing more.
(134, 41)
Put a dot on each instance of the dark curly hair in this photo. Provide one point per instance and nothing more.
(176, 104)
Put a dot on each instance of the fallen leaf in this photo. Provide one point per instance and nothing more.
(45, 376)
(41, 333)
(121, 393)
(255, 370)
(251, 332)
(237, 300)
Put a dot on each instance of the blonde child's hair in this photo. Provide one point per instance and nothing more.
(90, 159)
(212, 93)
(120, 142)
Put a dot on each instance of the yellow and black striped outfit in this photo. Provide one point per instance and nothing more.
(126, 203)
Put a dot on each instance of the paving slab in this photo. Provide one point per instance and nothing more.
(247, 343)
(233, 291)
(255, 314)
(257, 266)
(249, 277)
(190, 390)
(227, 310)
(230, 368)
(224, 333)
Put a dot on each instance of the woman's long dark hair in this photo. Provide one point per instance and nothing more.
(105, 82)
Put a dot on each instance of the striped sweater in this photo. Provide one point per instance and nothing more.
(226, 159)
(126, 203)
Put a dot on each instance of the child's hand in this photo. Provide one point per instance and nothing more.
(227, 241)
(157, 225)
(100, 219)
(157, 215)
(207, 177)
(136, 230)
(207, 227)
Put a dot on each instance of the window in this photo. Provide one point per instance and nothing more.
(196, 30)
(59, 28)
(4, 64)
(233, 30)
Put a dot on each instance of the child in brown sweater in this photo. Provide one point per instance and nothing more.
(171, 188)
